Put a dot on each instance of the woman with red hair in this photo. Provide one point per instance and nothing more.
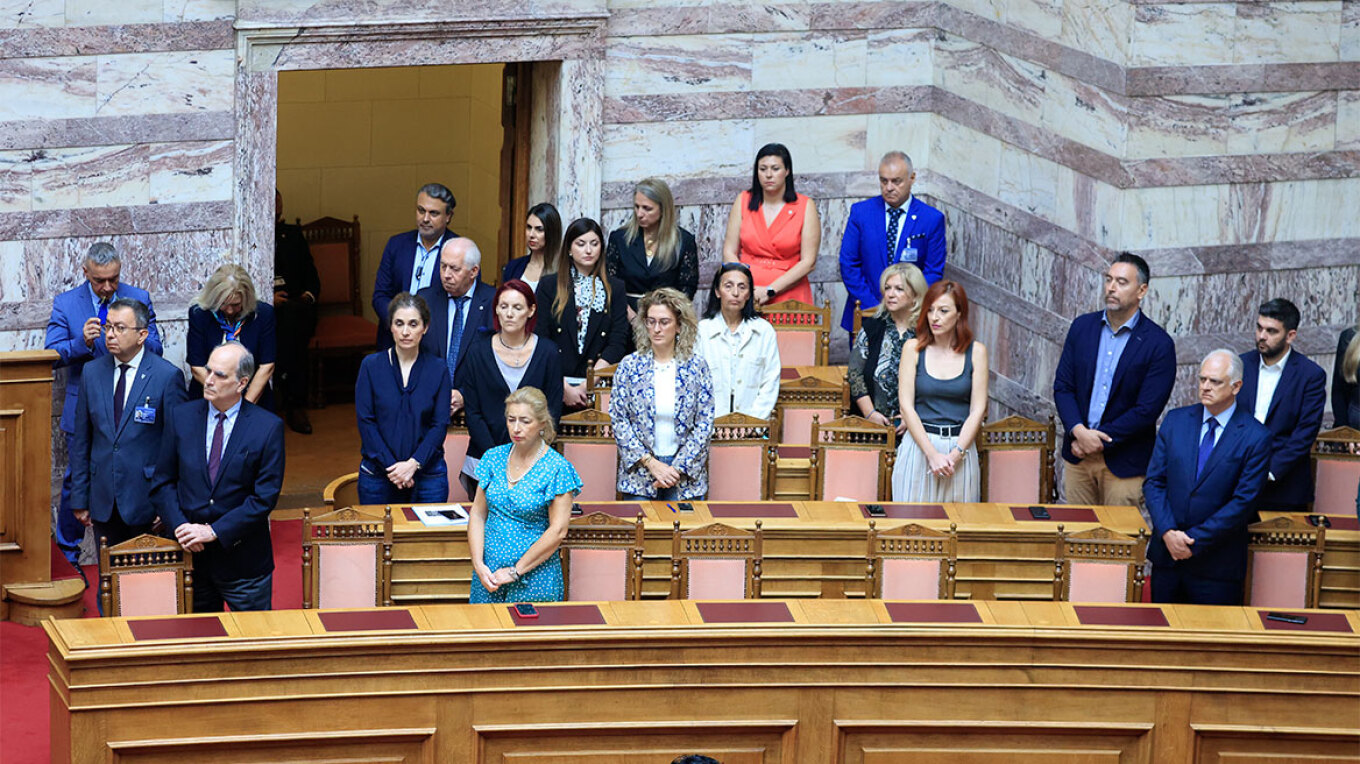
(942, 387)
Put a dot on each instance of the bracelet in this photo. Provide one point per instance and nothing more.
(515, 573)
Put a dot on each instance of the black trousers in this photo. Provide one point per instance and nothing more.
(295, 326)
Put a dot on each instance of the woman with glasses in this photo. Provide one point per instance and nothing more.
(739, 346)
(224, 310)
(661, 405)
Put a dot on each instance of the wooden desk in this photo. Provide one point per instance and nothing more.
(818, 553)
(825, 681)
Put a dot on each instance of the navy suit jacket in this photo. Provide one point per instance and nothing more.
(238, 504)
(479, 313)
(65, 334)
(394, 276)
(864, 249)
(113, 462)
(1215, 508)
(1294, 418)
(1141, 387)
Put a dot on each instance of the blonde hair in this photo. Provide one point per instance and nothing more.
(667, 233)
(912, 279)
(533, 398)
(227, 281)
(687, 330)
(1350, 363)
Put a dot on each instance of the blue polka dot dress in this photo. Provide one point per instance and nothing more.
(516, 517)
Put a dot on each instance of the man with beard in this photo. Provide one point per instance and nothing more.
(1286, 392)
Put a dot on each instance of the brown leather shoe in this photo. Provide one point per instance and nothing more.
(298, 421)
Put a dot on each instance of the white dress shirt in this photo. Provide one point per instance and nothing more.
(131, 376)
(744, 365)
(901, 221)
(1267, 381)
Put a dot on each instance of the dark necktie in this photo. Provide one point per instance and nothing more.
(103, 311)
(215, 454)
(119, 392)
(894, 218)
(1206, 446)
(455, 334)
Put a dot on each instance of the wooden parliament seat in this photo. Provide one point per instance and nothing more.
(602, 558)
(456, 442)
(1099, 565)
(912, 562)
(802, 331)
(716, 562)
(1016, 456)
(145, 576)
(586, 439)
(741, 458)
(599, 383)
(346, 559)
(852, 459)
(342, 491)
(341, 328)
(802, 398)
(1336, 471)
(1284, 563)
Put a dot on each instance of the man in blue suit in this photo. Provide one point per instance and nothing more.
(1114, 377)
(460, 305)
(410, 259)
(76, 332)
(1286, 391)
(125, 397)
(894, 227)
(1207, 468)
(218, 478)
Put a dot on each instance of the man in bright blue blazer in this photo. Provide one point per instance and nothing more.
(917, 227)
(411, 259)
(125, 397)
(76, 331)
(1207, 468)
(1113, 379)
(459, 267)
(1286, 391)
(217, 483)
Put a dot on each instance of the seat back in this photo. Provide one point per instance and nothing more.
(1336, 471)
(334, 244)
(912, 562)
(852, 459)
(741, 456)
(346, 559)
(1016, 456)
(802, 399)
(147, 575)
(586, 439)
(342, 491)
(716, 562)
(1099, 565)
(1284, 563)
(602, 558)
(802, 331)
(456, 442)
(599, 383)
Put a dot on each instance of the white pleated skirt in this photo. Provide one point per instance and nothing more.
(912, 481)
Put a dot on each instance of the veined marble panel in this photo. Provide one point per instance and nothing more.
(1089, 115)
(1350, 31)
(979, 73)
(121, 38)
(1185, 34)
(47, 88)
(91, 177)
(199, 10)
(1041, 17)
(819, 144)
(1102, 28)
(910, 133)
(96, 12)
(105, 221)
(1282, 122)
(900, 57)
(16, 181)
(679, 64)
(965, 155)
(1167, 126)
(313, 12)
(108, 131)
(29, 14)
(809, 60)
(1327, 207)
(166, 83)
(13, 278)
(1293, 32)
(679, 149)
(1348, 119)
(191, 172)
(1028, 182)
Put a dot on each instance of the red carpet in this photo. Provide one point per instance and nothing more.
(24, 690)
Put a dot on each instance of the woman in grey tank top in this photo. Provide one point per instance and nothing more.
(942, 385)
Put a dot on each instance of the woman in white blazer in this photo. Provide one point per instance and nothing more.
(739, 345)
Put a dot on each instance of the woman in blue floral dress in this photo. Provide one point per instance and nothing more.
(519, 518)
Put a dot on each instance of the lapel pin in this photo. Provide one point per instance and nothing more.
(913, 217)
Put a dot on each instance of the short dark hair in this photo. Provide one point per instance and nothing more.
(714, 305)
(408, 300)
(1281, 310)
(138, 309)
(757, 193)
(441, 192)
(1144, 272)
(695, 758)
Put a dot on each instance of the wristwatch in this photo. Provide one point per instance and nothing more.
(769, 293)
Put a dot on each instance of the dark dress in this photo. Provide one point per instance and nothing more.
(606, 331)
(627, 261)
(484, 390)
(398, 422)
(256, 333)
(1345, 395)
(294, 274)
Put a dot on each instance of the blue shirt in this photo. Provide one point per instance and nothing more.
(425, 264)
(1112, 344)
(227, 426)
(1223, 418)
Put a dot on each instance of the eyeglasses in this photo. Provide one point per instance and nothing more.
(121, 328)
(659, 323)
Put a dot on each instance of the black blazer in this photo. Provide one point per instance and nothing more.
(484, 390)
(627, 261)
(479, 313)
(606, 332)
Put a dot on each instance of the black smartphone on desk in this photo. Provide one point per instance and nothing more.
(685, 506)
(1322, 521)
(576, 510)
(1039, 513)
(876, 510)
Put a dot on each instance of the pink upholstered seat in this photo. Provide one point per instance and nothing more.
(1090, 581)
(147, 593)
(1335, 490)
(1279, 579)
(1013, 476)
(602, 399)
(717, 580)
(598, 575)
(349, 575)
(796, 348)
(849, 474)
(455, 453)
(734, 472)
(908, 579)
(597, 464)
(798, 425)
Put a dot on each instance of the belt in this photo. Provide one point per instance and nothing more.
(943, 430)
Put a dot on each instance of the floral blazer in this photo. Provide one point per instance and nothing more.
(632, 406)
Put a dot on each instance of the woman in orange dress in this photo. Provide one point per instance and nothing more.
(774, 230)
